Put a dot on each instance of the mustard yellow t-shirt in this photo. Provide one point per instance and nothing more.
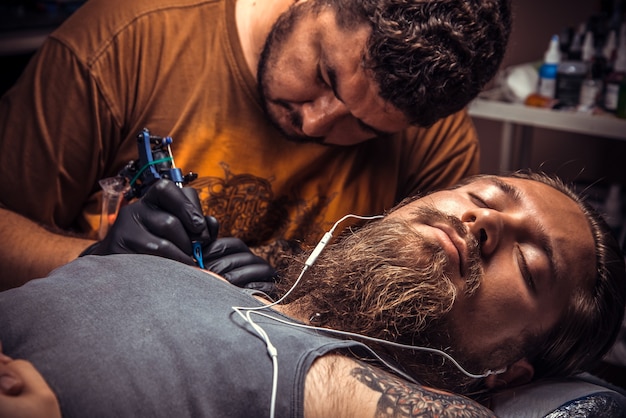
(176, 68)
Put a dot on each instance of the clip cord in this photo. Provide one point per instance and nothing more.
(140, 172)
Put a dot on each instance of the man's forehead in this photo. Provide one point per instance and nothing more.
(475, 182)
(514, 187)
(484, 180)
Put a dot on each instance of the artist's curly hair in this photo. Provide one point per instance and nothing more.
(430, 58)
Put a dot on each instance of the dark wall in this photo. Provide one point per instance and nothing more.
(23, 25)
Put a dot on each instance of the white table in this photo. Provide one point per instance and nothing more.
(518, 121)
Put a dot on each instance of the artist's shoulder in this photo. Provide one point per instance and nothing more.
(100, 25)
(340, 386)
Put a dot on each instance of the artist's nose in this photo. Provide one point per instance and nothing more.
(319, 115)
(487, 226)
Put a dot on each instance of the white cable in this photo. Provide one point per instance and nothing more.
(272, 351)
(311, 259)
(390, 343)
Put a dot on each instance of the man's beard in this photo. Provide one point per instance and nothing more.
(388, 282)
(281, 30)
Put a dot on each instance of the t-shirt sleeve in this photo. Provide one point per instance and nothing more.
(56, 135)
(439, 156)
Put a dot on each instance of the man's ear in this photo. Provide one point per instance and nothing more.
(516, 374)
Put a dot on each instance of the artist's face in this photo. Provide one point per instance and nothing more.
(535, 248)
(314, 86)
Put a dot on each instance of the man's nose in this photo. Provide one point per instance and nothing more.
(487, 226)
(319, 116)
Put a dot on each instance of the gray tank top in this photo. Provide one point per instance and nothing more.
(136, 335)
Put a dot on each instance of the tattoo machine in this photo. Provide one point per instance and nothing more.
(155, 162)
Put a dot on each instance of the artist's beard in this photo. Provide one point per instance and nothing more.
(387, 281)
(282, 29)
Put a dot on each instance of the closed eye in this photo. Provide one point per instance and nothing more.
(526, 273)
(478, 201)
(332, 82)
(320, 76)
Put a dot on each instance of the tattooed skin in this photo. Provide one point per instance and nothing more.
(401, 399)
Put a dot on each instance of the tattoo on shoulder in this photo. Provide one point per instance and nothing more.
(403, 399)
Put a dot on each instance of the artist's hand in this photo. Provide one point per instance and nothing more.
(23, 391)
(233, 260)
(164, 222)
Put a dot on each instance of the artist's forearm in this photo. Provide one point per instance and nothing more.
(30, 251)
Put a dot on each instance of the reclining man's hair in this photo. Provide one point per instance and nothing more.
(430, 58)
(593, 318)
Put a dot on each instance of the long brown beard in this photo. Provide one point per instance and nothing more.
(388, 282)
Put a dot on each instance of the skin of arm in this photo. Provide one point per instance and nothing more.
(23, 391)
(339, 386)
(46, 249)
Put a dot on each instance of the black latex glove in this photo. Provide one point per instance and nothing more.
(232, 259)
(166, 220)
(163, 222)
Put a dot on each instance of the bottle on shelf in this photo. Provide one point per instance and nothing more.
(575, 48)
(615, 79)
(565, 40)
(609, 50)
(569, 81)
(588, 49)
(619, 26)
(592, 85)
(620, 112)
(548, 70)
(572, 71)
(616, 17)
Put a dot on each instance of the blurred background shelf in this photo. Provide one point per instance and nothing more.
(518, 121)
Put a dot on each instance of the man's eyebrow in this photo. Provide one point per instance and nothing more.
(332, 79)
(515, 195)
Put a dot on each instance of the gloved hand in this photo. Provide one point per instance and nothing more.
(163, 222)
(232, 259)
(166, 220)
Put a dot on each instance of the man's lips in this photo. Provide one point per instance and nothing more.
(453, 244)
